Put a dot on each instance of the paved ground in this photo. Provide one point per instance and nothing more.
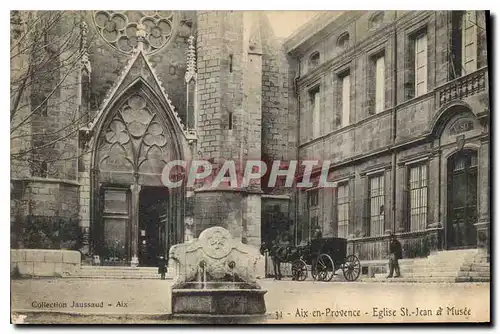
(148, 301)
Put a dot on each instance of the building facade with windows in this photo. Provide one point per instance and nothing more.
(398, 103)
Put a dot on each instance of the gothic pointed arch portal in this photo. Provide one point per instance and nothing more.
(136, 218)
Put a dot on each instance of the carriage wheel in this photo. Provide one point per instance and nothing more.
(299, 270)
(324, 268)
(351, 268)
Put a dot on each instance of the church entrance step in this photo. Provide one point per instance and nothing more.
(466, 265)
(115, 272)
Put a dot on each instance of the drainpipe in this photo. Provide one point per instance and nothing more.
(296, 192)
(394, 124)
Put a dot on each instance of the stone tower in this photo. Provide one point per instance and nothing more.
(229, 117)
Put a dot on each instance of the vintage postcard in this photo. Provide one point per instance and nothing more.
(250, 167)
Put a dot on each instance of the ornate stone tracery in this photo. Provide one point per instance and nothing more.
(134, 140)
(123, 29)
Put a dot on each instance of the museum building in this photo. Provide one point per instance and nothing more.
(397, 101)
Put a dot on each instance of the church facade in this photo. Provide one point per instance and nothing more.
(396, 101)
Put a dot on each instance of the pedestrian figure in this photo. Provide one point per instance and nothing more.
(395, 253)
(162, 267)
(275, 257)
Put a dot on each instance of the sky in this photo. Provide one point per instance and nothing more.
(284, 23)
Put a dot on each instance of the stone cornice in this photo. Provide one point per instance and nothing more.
(421, 156)
(46, 180)
(247, 191)
(270, 196)
(375, 169)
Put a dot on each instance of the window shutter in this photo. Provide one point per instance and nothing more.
(455, 56)
(346, 102)
(338, 102)
(366, 217)
(421, 64)
(370, 87)
(335, 213)
(409, 70)
(380, 84)
(469, 42)
(405, 209)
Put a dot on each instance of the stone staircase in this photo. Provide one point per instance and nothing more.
(116, 272)
(468, 265)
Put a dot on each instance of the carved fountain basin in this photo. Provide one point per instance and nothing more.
(216, 278)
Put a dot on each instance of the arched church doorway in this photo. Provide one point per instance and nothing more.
(135, 218)
(462, 200)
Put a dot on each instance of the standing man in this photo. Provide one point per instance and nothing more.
(275, 257)
(395, 253)
(162, 267)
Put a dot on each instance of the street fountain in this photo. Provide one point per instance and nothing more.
(216, 279)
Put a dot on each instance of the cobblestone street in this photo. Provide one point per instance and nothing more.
(148, 301)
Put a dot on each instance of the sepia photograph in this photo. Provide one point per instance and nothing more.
(250, 167)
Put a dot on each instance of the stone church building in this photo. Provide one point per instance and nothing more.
(396, 101)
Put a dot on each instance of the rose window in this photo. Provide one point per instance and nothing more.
(119, 29)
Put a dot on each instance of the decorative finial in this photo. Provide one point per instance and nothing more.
(191, 61)
(84, 31)
(141, 36)
(85, 61)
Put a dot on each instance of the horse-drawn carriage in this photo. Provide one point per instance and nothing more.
(322, 256)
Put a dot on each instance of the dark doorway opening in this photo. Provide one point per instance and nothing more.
(153, 222)
(462, 200)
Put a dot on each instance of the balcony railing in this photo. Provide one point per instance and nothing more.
(462, 87)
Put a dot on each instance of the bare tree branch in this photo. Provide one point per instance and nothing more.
(46, 64)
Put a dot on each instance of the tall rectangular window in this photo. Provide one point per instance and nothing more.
(469, 42)
(343, 210)
(376, 204)
(418, 197)
(379, 84)
(464, 43)
(346, 99)
(420, 64)
(314, 97)
(313, 210)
